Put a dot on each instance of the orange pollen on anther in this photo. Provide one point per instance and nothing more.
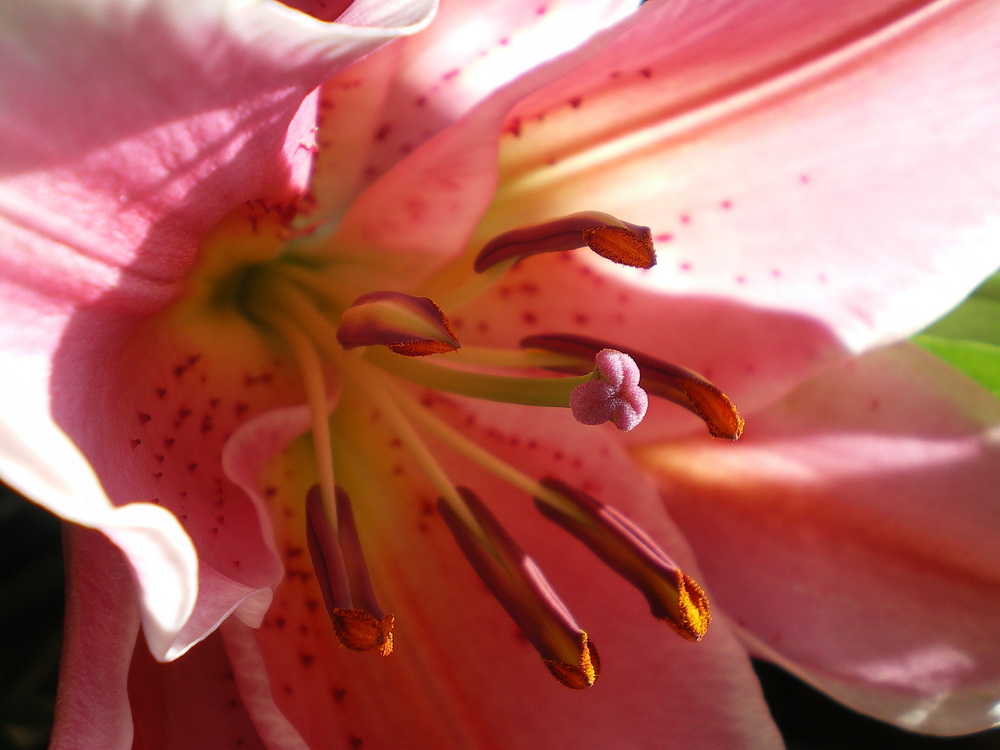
(361, 631)
(694, 612)
(622, 245)
(578, 676)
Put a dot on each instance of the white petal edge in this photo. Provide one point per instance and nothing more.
(41, 462)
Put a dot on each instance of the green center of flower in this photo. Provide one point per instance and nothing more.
(354, 340)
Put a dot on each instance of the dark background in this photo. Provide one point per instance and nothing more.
(31, 607)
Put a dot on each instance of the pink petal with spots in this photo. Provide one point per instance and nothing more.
(110, 175)
(193, 702)
(790, 156)
(110, 184)
(377, 111)
(852, 536)
(255, 689)
(457, 656)
(40, 461)
(256, 442)
(246, 454)
(430, 202)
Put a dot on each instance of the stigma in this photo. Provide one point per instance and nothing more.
(389, 348)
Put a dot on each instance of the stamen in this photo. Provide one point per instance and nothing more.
(358, 621)
(313, 380)
(673, 596)
(680, 385)
(613, 396)
(411, 326)
(320, 282)
(459, 442)
(619, 241)
(520, 586)
(374, 385)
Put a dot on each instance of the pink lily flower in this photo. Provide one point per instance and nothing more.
(209, 299)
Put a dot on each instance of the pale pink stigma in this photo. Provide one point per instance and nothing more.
(613, 395)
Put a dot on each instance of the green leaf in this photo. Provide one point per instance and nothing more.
(977, 359)
(968, 338)
(976, 319)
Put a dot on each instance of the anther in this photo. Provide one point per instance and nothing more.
(618, 241)
(658, 378)
(673, 596)
(408, 325)
(358, 621)
(521, 588)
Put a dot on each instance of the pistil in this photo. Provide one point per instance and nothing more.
(677, 384)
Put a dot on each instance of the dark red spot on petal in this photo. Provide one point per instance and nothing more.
(143, 418)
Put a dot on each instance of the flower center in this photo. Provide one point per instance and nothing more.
(356, 337)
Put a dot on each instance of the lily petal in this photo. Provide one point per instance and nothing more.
(142, 147)
(194, 702)
(101, 204)
(433, 198)
(852, 536)
(41, 462)
(469, 51)
(793, 156)
(101, 627)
